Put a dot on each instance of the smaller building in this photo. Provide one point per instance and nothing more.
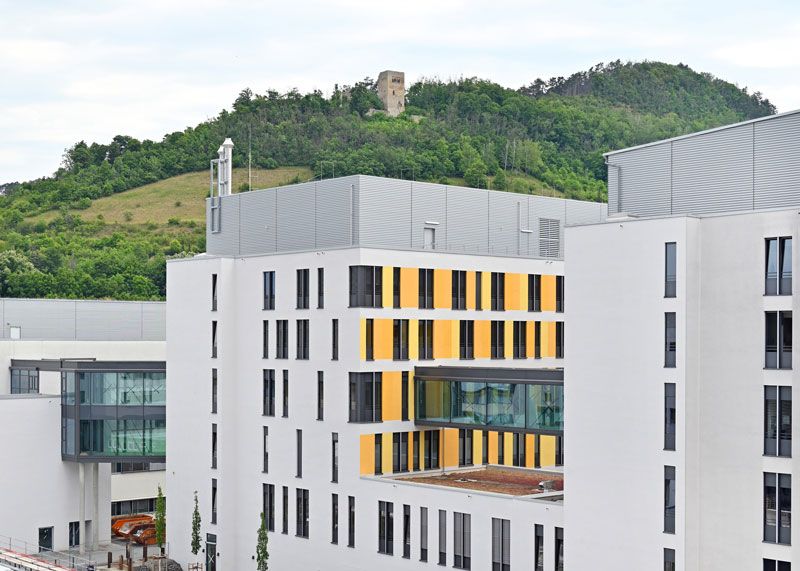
(392, 91)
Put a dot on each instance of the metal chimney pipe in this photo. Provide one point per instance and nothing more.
(227, 164)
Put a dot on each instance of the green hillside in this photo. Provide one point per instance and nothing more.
(104, 223)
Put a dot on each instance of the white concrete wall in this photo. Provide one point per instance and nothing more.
(240, 422)
(137, 485)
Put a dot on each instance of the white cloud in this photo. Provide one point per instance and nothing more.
(772, 53)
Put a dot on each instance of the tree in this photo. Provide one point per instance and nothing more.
(500, 181)
(262, 555)
(161, 519)
(195, 527)
(475, 174)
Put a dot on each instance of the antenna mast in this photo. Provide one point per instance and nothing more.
(249, 158)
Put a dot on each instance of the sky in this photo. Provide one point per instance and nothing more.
(89, 70)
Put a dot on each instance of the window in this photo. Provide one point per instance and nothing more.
(302, 339)
(214, 445)
(425, 334)
(351, 521)
(518, 449)
(501, 448)
(425, 288)
(442, 537)
(335, 518)
(498, 339)
(24, 381)
(459, 289)
(461, 540)
(369, 340)
(778, 266)
(778, 421)
(334, 457)
(213, 500)
(559, 450)
(431, 449)
(213, 292)
(560, 294)
(478, 290)
(406, 531)
(769, 565)
(285, 521)
(74, 534)
(423, 534)
(498, 291)
(534, 292)
(404, 395)
(466, 339)
(537, 451)
(485, 447)
(265, 339)
(302, 289)
(400, 340)
(335, 339)
(282, 345)
(268, 503)
(45, 539)
(213, 391)
(320, 288)
(778, 340)
(669, 559)
(415, 452)
(520, 339)
(302, 513)
(559, 549)
(777, 508)
(669, 499)
(669, 340)
(400, 452)
(213, 339)
(385, 528)
(285, 393)
(396, 288)
(365, 397)
(378, 454)
(670, 269)
(538, 547)
(299, 452)
(465, 447)
(265, 448)
(501, 544)
(269, 290)
(320, 396)
(268, 392)
(669, 416)
(366, 286)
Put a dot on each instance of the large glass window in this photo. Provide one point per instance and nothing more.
(520, 339)
(670, 342)
(400, 340)
(431, 450)
(365, 397)
(268, 505)
(498, 339)
(498, 293)
(466, 339)
(669, 499)
(459, 289)
(771, 565)
(423, 534)
(268, 392)
(534, 292)
(462, 540)
(777, 508)
(302, 289)
(778, 266)
(559, 549)
(425, 339)
(282, 341)
(351, 521)
(366, 286)
(669, 560)
(465, 447)
(302, 513)
(506, 405)
(269, 290)
(442, 537)
(778, 421)
(778, 340)
(425, 288)
(538, 547)
(559, 294)
(670, 269)
(302, 338)
(406, 531)
(501, 544)
(385, 528)
(24, 381)
(669, 416)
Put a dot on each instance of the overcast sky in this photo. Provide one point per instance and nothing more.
(72, 70)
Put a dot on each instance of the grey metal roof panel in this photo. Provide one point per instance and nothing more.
(777, 163)
(428, 210)
(384, 212)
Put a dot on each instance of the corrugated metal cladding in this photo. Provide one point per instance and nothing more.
(390, 213)
(83, 320)
(747, 166)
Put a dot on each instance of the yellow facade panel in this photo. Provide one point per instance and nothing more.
(362, 338)
(382, 335)
(530, 339)
(493, 447)
(442, 289)
(411, 415)
(509, 448)
(477, 446)
(548, 330)
(388, 286)
(547, 451)
(486, 290)
(455, 332)
(391, 395)
(512, 291)
(483, 339)
(367, 454)
(509, 339)
(529, 450)
(386, 452)
(470, 290)
(523, 292)
(450, 447)
(442, 342)
(409, 287)
(548, 293)
(413, 339)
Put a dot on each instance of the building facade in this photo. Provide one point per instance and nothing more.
(392, 91)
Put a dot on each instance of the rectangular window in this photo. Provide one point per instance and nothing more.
(302, 339)
(778, 266)
(213, 339)
(534, 292)
(320, 396)
(265, 339)
(431, 449)
(669, 340)
(560, 294)
(366, 286)
(396, 288)
(777, 508)
(378, 454)
(213, 391)
(461, 540)
(265, 448)
(285, 522)
(415, 452)
(478, 290)
(778, 421)
(400, 452)
(213, 500)
(365, 397)
(498, 331)
(459, 289)
(559, 339)
(425, 335)
(670, 269)
(74, 534)
(442, 537)
(370, 339)
(501, 544)
(778, 340)
(302, 513)
(669, 499)
(785, 278)
(485, 447)
(670, 416)
(334, 457)
(406, 531)
(334, 339)
(466, 339)
(498, 291)
(425, 288)
(299, 451)
(518, 451)
(282, 344)
(285, 393)
(320, 288)
(423, 534)
(501, 448)
(268, 505)
(520, 339)
(537, 339)
(538, 547)
(559, 450)
(351, 521)
(669, 559)
(269, 290)
(559, 549)
(334, 519)
(769, 565)
(385, 528)
(24, 381)
(400, 340)
(268, 392)
(302, 289)
(465, 447)
(213, 445)
(404, 395)
(213, 292)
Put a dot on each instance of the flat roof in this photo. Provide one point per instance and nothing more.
(494, 479)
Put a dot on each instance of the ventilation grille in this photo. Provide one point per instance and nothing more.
(549, 237)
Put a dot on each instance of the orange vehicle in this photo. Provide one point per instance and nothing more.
(120, 521)
(145, 536)
(130, 528)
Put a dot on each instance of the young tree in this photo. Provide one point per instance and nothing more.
(161, 519)
(195, 527)
(262, 555)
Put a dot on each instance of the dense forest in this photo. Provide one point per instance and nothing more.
(550, 134)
